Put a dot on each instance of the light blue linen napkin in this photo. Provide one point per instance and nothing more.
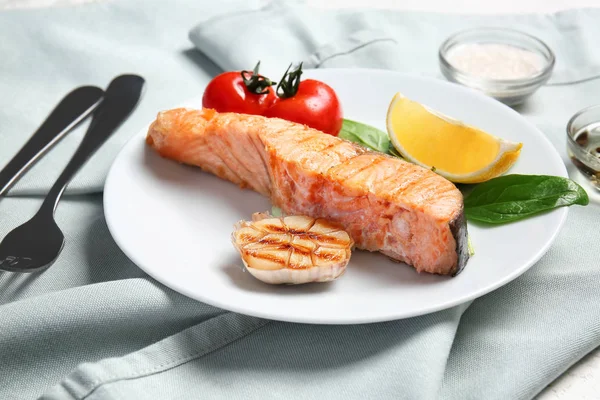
(48, 52)
(95, 327)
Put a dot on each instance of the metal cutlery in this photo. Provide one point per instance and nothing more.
(71, 110)
(36, 244)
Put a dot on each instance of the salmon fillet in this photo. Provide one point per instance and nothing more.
(386, 204)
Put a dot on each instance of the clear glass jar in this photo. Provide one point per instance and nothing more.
(583, 143)
(508, 91)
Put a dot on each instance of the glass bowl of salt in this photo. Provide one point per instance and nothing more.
(505, 64)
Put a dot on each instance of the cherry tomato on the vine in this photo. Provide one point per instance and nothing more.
(244, 92)
(308, 102)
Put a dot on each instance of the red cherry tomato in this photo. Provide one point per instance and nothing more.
(314, 104)
(230, 92)
(309, 102)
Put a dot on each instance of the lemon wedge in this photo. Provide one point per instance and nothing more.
(461, 153)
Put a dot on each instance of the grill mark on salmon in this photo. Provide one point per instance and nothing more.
(386, 204)
(305, 139)
(328, 147)
(364, 168)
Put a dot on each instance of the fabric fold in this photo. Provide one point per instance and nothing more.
(103, 377)
(293, 32)
(234, 356)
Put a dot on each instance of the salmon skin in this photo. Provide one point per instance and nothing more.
(386, 204)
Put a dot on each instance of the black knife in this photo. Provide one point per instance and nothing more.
(71, 110)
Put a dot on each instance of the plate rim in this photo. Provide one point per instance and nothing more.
(341, 321)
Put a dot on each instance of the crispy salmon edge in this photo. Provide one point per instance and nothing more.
(458, 227)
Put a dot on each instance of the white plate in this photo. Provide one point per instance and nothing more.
(175, 222)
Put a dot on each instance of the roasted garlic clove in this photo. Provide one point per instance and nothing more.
(292, 249)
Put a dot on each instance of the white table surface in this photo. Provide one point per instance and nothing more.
(582, 380)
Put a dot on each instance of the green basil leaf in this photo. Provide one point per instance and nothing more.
(276, 211)
(365, 135)
(510, 198)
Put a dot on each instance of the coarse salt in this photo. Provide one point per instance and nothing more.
(495, 60)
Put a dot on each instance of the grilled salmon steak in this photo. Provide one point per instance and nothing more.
(402, 210)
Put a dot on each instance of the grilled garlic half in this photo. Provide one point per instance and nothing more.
(292, 249)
